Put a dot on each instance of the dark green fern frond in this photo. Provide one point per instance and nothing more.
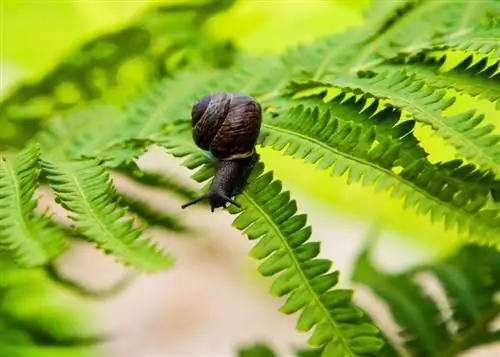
(86, 190)
(477, 78)
(465, 131)
(388, 123)
(27, 235)
(351, 149)
(268, 215)
(470, 280)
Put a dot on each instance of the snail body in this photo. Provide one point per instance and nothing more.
(227, 125)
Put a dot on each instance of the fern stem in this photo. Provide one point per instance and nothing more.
(52, 272)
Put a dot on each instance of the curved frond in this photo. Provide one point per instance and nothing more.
(477, 78)
(418, 24)
(470, 281)
(28, 236)
(484, 39)
(172, 99)
(351, 149)
(269, 216)
(465, 131)
(86, 190)
(75, 136)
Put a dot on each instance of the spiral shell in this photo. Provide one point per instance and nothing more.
(226, 124)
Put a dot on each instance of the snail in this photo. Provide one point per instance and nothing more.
(227, 125)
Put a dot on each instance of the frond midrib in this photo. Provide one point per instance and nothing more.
(305, 281)
(452, 209)
(40, 252)
(101, 224)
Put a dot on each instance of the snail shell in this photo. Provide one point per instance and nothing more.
(227, 125)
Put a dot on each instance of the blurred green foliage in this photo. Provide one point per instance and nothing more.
(89, 51)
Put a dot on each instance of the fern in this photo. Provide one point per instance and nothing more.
(473, 140)
(477, 78)
(85, 189)
(470, 280)
(269, 216)
(347, 148)
(26, 234)
(33, 312)
(414, 25)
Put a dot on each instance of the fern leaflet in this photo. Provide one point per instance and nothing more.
(86, 190)
(25, 234)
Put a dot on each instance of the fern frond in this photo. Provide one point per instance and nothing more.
(418, 25)
(477, 79)
(75, 136)
(484, 39)
(470, 280)
(387, 124)
(464, 131)
(86, 190)
(27, 235)
(269, 216)
(172, 99)
(351, 149)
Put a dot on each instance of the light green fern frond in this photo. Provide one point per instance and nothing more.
(465, 131)
(484, 39)
(470, 280)
(477, 78)
(414, 26)
(269, 216)
(27, 235)
(75, 136)
(86, 190)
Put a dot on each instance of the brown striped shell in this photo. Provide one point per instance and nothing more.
(226, 124)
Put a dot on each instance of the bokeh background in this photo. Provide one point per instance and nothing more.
(213, 301)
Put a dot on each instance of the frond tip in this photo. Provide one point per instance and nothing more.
(86, 190)
(28, 236)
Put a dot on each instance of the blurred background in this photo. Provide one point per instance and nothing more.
(212, 301)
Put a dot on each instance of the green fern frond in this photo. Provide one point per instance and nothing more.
(484, 39)
(351, 149)
(27, 235)
(388, 123)
(478, 78)
(418, 25)
(86, 190)
(464, 131)
(74, 136)
(470, 280)
(269, 216)
(172, 99)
